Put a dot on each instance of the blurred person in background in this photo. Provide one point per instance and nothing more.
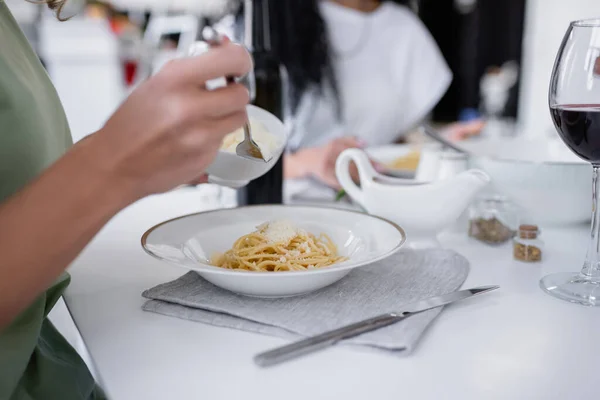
(55, 196)
(362, 73)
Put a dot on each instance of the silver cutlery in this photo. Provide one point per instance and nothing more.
(247, 148)
(429, 131)
(319, 342)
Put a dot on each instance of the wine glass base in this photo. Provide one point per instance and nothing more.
(573, 287)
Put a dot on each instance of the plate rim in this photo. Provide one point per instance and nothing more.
(331, 268)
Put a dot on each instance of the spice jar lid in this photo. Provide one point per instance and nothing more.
(527, 231)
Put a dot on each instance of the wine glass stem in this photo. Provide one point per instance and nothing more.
(591, 266)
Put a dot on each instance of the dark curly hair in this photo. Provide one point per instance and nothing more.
(303, 46)
(55, 5)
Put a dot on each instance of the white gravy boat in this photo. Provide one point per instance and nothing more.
(422, 209)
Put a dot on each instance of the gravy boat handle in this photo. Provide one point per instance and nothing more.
(366, 172)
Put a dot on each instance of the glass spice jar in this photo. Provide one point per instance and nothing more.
(492, 220)
(527, 246)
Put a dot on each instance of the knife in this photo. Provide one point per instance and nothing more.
(315, 343)
(429, 131)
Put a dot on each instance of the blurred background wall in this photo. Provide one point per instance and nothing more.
(93, 57)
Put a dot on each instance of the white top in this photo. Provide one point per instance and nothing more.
(390, 74)
(514, 343)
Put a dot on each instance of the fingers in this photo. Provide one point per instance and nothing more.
(461, 131)
(196, 110)
(328, 154)
(200, 180)
(223, 101)
(213, 131)
(339, 145)
(228, 59)
(229, 123)
(354, 172)
(349, 142)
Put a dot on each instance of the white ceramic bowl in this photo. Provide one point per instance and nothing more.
(190, 241)
(550, 184)
(229, 169)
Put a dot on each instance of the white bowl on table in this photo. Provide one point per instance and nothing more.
(229, 169)
(190, 241)
(550, 184)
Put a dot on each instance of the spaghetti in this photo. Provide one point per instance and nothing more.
(278, 246)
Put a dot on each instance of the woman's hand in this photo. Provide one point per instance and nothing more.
(320, 161)
(164, 135)
(170, 129)
(324, 158)
(464, 130)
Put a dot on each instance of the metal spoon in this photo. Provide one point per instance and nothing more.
(247, 148)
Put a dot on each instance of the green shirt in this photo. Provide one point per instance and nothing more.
(36, 362)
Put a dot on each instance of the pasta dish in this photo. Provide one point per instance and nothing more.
(279, 246)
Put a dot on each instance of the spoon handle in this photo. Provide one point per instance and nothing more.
(212, 36)
(247, 137)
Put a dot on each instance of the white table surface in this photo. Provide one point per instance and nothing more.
(517, 343)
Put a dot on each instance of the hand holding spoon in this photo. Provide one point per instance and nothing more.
(247, 148)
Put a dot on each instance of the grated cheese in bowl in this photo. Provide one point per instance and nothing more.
(267, 142)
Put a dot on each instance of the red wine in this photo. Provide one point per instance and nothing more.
(579, 127)
(130, 67)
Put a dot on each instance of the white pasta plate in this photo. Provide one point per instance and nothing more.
(190, 242)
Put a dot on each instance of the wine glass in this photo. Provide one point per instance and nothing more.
(574, 100)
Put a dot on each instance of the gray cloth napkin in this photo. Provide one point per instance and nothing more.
(385, 286)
